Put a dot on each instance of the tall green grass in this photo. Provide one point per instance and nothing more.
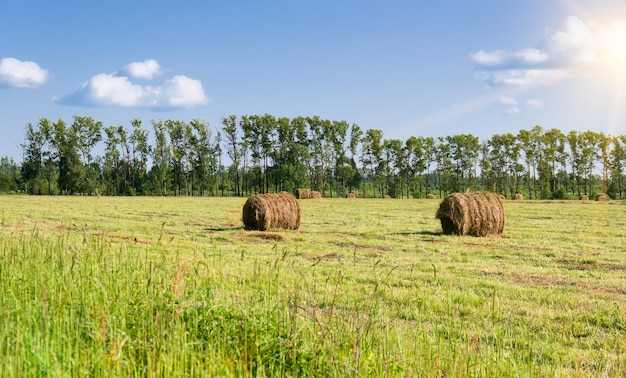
(175, 287)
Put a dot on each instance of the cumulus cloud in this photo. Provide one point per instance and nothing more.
(116, 90)
(573, 45)
(508, 100)
(148, 69)
(17, 73)
(513, 111)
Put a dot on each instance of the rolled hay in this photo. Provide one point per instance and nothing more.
(518, 197)
(303, 193)
(472, 213)
(351, 195)
(602, 197)
(271, 211)
(584, 197)
(316, 195)
(430, 196)
(387, 196)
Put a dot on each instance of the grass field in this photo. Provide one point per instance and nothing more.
(175, 287)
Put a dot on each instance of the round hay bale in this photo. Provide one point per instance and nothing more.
(316, 195)
(351, 195)
(602, 197)
(584, 197)
(302, 193)
(271, 211)
(430, 196)
(518, 197)
(472, 213)
(387, 196)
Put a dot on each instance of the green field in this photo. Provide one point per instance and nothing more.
(121, 286)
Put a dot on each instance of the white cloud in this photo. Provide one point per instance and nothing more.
(114, 90)
(147, 69)
(17, 73)
(489, 59)
(508, 100)
(521, 77)
(513, 111)
(534, 103)
(182, 91)
(574, 45)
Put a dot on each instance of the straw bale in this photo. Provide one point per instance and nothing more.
(387, 196)
(602, 197)
(271, 211)
(351, 195)
(430, 196)
(302, 193)
(584, 197)
(518, 197)
(316, 195)
(472, 213)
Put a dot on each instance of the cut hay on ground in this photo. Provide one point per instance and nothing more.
(271, 211)
(316, 195)
(351, 195)
(473, 214)
(602, 197)
(303, 193)
(430, 196)
(518, 197)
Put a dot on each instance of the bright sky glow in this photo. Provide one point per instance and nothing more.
(408, 68)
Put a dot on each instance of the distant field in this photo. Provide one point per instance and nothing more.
(136, 286)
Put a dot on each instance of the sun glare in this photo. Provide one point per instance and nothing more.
(614, 44)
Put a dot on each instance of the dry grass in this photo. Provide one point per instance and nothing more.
(271, 211)
(302, 193)
(474, 214)
(602, 197)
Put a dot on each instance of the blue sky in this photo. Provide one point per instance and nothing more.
(422, 68)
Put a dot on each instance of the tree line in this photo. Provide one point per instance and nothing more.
(262, 153)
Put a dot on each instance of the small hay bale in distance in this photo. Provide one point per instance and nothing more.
(602, 197)
(351, 195)
(271, 211)
(518, 197)
(584, 197)
(387, 196)
(472, 213)
(303, 193)
(316, 195)
(430, 196)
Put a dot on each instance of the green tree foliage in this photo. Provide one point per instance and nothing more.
(263, 153)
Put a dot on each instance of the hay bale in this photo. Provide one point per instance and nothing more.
(472, 213)
(316, 195)
(387, 196)
(271, 211)
(351, 195)
(430, 196)
(518, 197)
(302, 193)
(602, 197)
(584, 197)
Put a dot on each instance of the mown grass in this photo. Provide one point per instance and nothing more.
(176, 287)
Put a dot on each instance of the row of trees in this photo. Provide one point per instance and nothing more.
(264, 153)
